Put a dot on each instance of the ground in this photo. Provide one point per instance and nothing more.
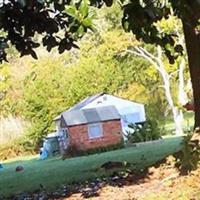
(52, 173)
(163, 183)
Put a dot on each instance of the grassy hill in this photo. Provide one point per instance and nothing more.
(52, 173)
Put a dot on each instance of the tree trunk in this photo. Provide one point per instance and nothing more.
(176, 114)
(192, 39)
(178, 119)
(182, 96)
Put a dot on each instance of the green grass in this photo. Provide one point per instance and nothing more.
(54, 172)
(169, 126)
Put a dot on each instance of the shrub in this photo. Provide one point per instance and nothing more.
(188, 158)
(73, 150)
(142, 133)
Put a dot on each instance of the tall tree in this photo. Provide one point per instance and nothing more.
(22, 19)
(157, 61)
(141, 18)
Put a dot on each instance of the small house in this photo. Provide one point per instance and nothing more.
(91, 128)
(97, 121)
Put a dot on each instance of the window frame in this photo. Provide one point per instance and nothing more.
(89, 130)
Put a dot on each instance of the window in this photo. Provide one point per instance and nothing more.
(95, 130)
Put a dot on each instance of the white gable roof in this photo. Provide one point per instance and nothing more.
(107, 100)
(123, 106)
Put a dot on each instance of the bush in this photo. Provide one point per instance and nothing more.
(18, 147)
(75, 151)
(188, 158)
(142, 133)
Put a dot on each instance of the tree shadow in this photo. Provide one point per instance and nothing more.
(121, 175)
(87, 189)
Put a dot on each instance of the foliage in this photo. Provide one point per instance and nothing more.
(21, 20)
(54, 83)
(15, 148)
(61, 23)
(189, 157)
(142, 133)
(4, 87)
(142, 18)
(44, 88)
(76, 151)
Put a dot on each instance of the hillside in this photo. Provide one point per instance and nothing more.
(161, 182)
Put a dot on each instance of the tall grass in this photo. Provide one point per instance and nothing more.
(11, 128)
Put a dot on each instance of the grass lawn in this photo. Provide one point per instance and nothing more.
(54, 172)
(169, 126)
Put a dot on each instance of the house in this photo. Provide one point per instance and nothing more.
(98, 120)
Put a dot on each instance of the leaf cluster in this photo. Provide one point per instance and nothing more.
(141, 133)
(141, 17)
(22, 19)
(188, 158)
(58, 25)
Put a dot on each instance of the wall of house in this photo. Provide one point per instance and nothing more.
(111, 135)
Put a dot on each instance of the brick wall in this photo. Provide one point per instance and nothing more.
(111, 135)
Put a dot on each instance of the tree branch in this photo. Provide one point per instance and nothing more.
(143, 53)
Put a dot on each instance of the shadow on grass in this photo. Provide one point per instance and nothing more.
(121, 175)
(87, 189)
(139, 157)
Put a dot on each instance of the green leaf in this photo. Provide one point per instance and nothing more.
(84, 8)
(126, 25)
(71, 10)
(80, 31)
(87, 22)
(168, 47)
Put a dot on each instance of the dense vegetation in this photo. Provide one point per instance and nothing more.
(39, 90)
(61, 24)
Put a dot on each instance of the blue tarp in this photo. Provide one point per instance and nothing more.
(43, 154)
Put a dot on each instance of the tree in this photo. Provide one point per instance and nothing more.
(157, 62)
(58, 25)
(54, 83)
(22, 19)
(4, 86)
(142, 22)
